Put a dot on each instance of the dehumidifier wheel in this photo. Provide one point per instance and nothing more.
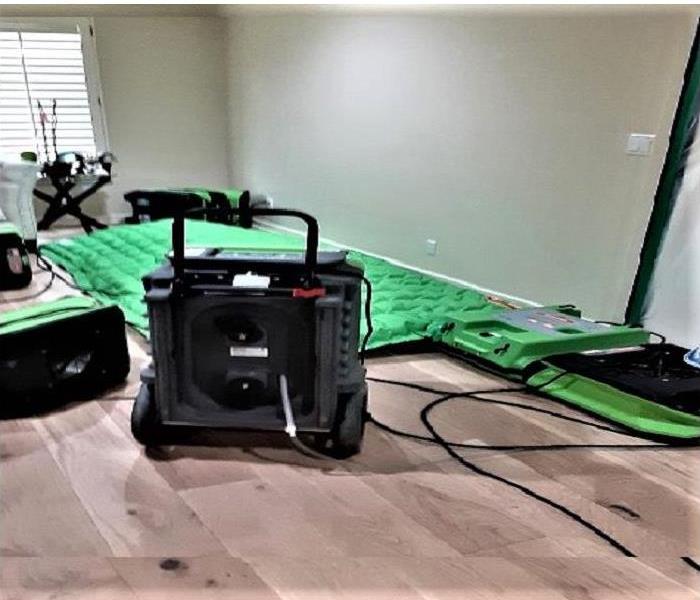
(346, 437)
(144, 417)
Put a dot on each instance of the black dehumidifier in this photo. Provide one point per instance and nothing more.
(255, 341)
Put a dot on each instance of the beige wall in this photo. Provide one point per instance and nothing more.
(164, 97)
(499, 135)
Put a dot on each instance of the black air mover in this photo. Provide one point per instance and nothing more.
(61, 351)
(255, 341)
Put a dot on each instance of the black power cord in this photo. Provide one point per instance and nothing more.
(424, 415)
(450, 447)
(473, 396)
(45, 265)
(368, 319)
(514, 448)
(691, 562)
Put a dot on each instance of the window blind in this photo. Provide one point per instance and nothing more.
(40, 67)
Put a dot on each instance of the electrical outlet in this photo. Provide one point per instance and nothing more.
(431, 247)
(640, 144)
(261, 200)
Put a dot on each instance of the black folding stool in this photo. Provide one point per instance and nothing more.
(62, 177)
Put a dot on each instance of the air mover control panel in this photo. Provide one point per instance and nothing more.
(514, 338)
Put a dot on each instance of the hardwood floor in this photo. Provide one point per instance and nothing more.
(85, 513)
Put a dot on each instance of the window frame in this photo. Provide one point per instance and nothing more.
(86, 28)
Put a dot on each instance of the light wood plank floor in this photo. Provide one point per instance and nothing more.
(85, 513)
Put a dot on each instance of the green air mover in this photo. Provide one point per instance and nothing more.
(61, 351)
(512, 339)
(610, 371)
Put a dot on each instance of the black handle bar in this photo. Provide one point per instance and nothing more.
(178, 230)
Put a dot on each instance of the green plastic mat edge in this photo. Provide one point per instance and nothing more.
(7, 228)
(614, 405)
(20, 319)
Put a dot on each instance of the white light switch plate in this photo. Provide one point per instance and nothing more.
(640, 144)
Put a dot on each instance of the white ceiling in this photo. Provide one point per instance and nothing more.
(217, 10)
(110, 10)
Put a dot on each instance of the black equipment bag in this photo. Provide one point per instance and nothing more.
(151, 205)
(57, 352)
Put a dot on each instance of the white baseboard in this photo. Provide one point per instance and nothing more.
(113, 218)
(116, 218)
(70, 222)
(267, 224)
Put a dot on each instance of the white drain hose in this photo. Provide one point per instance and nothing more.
(291, 428)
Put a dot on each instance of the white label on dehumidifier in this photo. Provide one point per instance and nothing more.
(251, 280)
(249, 351)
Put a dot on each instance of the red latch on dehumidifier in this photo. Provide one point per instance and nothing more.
(309, 293)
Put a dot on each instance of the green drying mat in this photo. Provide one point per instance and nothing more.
(617, 406)
(406, 306)
(109, 264)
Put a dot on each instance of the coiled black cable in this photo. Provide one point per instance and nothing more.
(424, 415)
(450, 447)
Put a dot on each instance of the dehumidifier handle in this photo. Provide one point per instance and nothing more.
(311, 252)
(178, 229)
